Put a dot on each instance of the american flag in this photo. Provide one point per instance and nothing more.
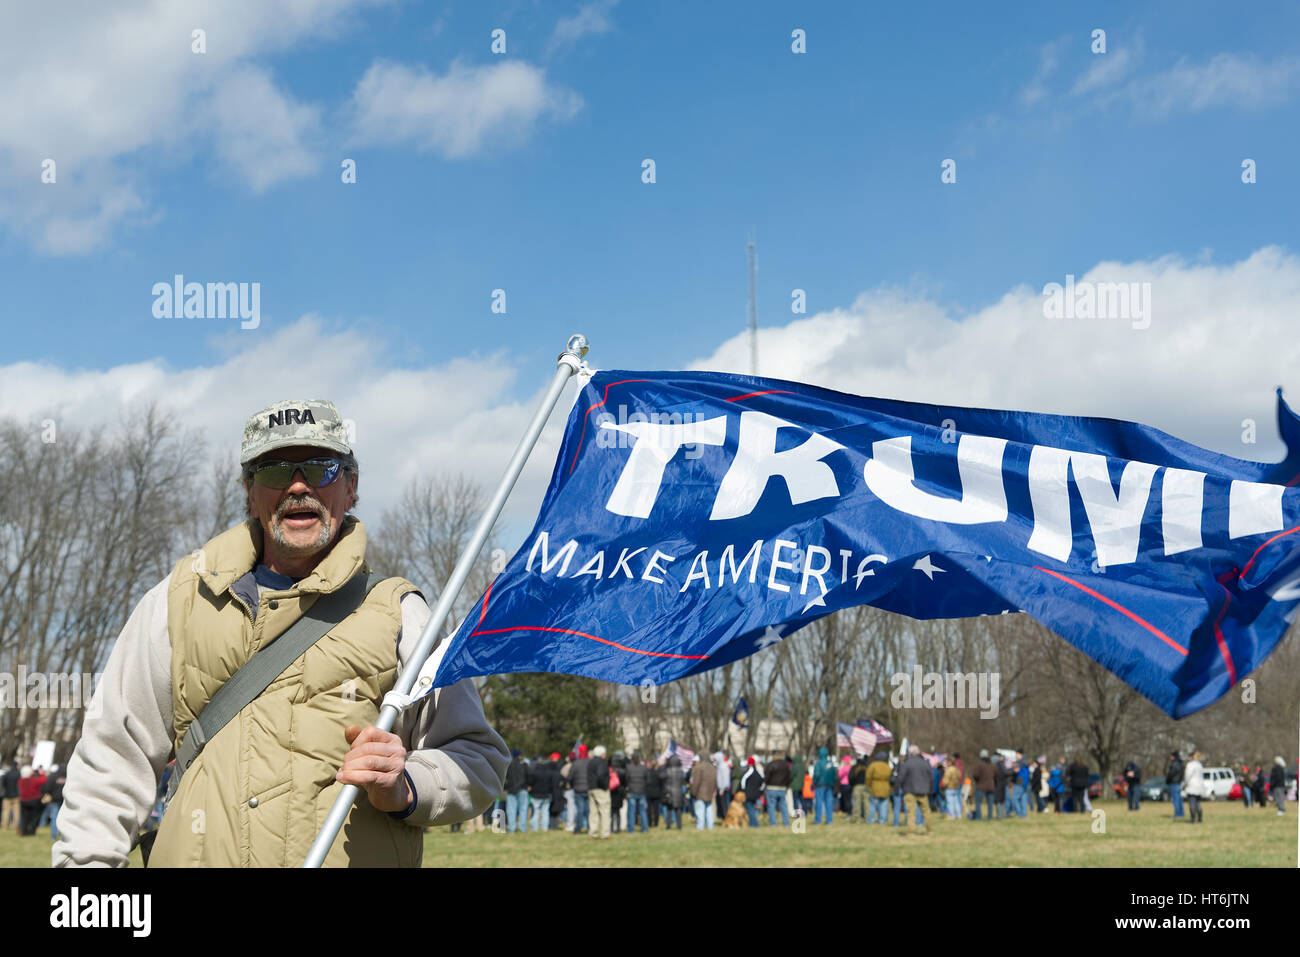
(858, 738)
(685, 755)
(883, 734)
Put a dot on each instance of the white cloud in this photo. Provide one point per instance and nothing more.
(260, 132)
(103, 88)
(591, 20)
(77, 214)
(1049, 58)
(460, 416)
(1111, 81)
(1221, 338)
(1106, 69)
(1225, 80)
(459, 113)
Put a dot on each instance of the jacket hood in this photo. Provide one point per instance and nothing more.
(822, 754)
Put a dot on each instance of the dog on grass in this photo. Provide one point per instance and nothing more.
(736, 816)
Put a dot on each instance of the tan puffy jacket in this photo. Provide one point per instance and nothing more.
(878, 779)
(260, 790)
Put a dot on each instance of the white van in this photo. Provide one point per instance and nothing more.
(1218, 783)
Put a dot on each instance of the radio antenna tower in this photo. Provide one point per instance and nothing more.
(751, 249)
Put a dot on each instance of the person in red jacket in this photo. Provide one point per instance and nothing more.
(29, 796)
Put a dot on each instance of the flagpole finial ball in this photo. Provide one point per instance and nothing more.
(577, 345)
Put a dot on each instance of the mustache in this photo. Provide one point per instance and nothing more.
(298, 503)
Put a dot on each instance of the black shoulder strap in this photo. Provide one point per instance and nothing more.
(265, 666)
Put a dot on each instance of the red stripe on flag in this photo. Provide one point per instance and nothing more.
(1264, 546)
(487, 596)
(1119, 608)
(583, 433)
(750, 395)
(1218, 636)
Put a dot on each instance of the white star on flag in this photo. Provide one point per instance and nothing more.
(819, 600)
(770, 637)
(923, 564)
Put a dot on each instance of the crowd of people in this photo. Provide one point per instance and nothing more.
(1257, 785)
(32, 798)
(1187, 780)
(590, 793)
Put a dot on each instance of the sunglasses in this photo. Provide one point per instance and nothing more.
(318, 473)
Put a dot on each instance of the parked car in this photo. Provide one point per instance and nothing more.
(1154, 790)
(1218, 782)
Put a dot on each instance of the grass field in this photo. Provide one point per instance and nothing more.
(1231, 836)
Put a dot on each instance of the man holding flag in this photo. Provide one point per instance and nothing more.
(252, 778)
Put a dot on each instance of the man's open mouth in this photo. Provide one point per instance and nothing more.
(300, 516)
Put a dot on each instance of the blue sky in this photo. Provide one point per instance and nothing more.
(833, 156)
(1065, 160)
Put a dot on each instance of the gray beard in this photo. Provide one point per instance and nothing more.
(299, 551)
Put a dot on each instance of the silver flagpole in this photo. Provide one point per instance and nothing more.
(570, 361)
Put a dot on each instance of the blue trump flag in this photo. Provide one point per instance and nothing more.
(694, 518)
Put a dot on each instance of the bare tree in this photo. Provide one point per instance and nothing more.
(88, 524)
(707, 704)
(760, 676)
(422, 539)
(221, 499)
(423, 536)
(1085, 707)
(650, 708)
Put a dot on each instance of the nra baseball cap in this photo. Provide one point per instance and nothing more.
(302, 422)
